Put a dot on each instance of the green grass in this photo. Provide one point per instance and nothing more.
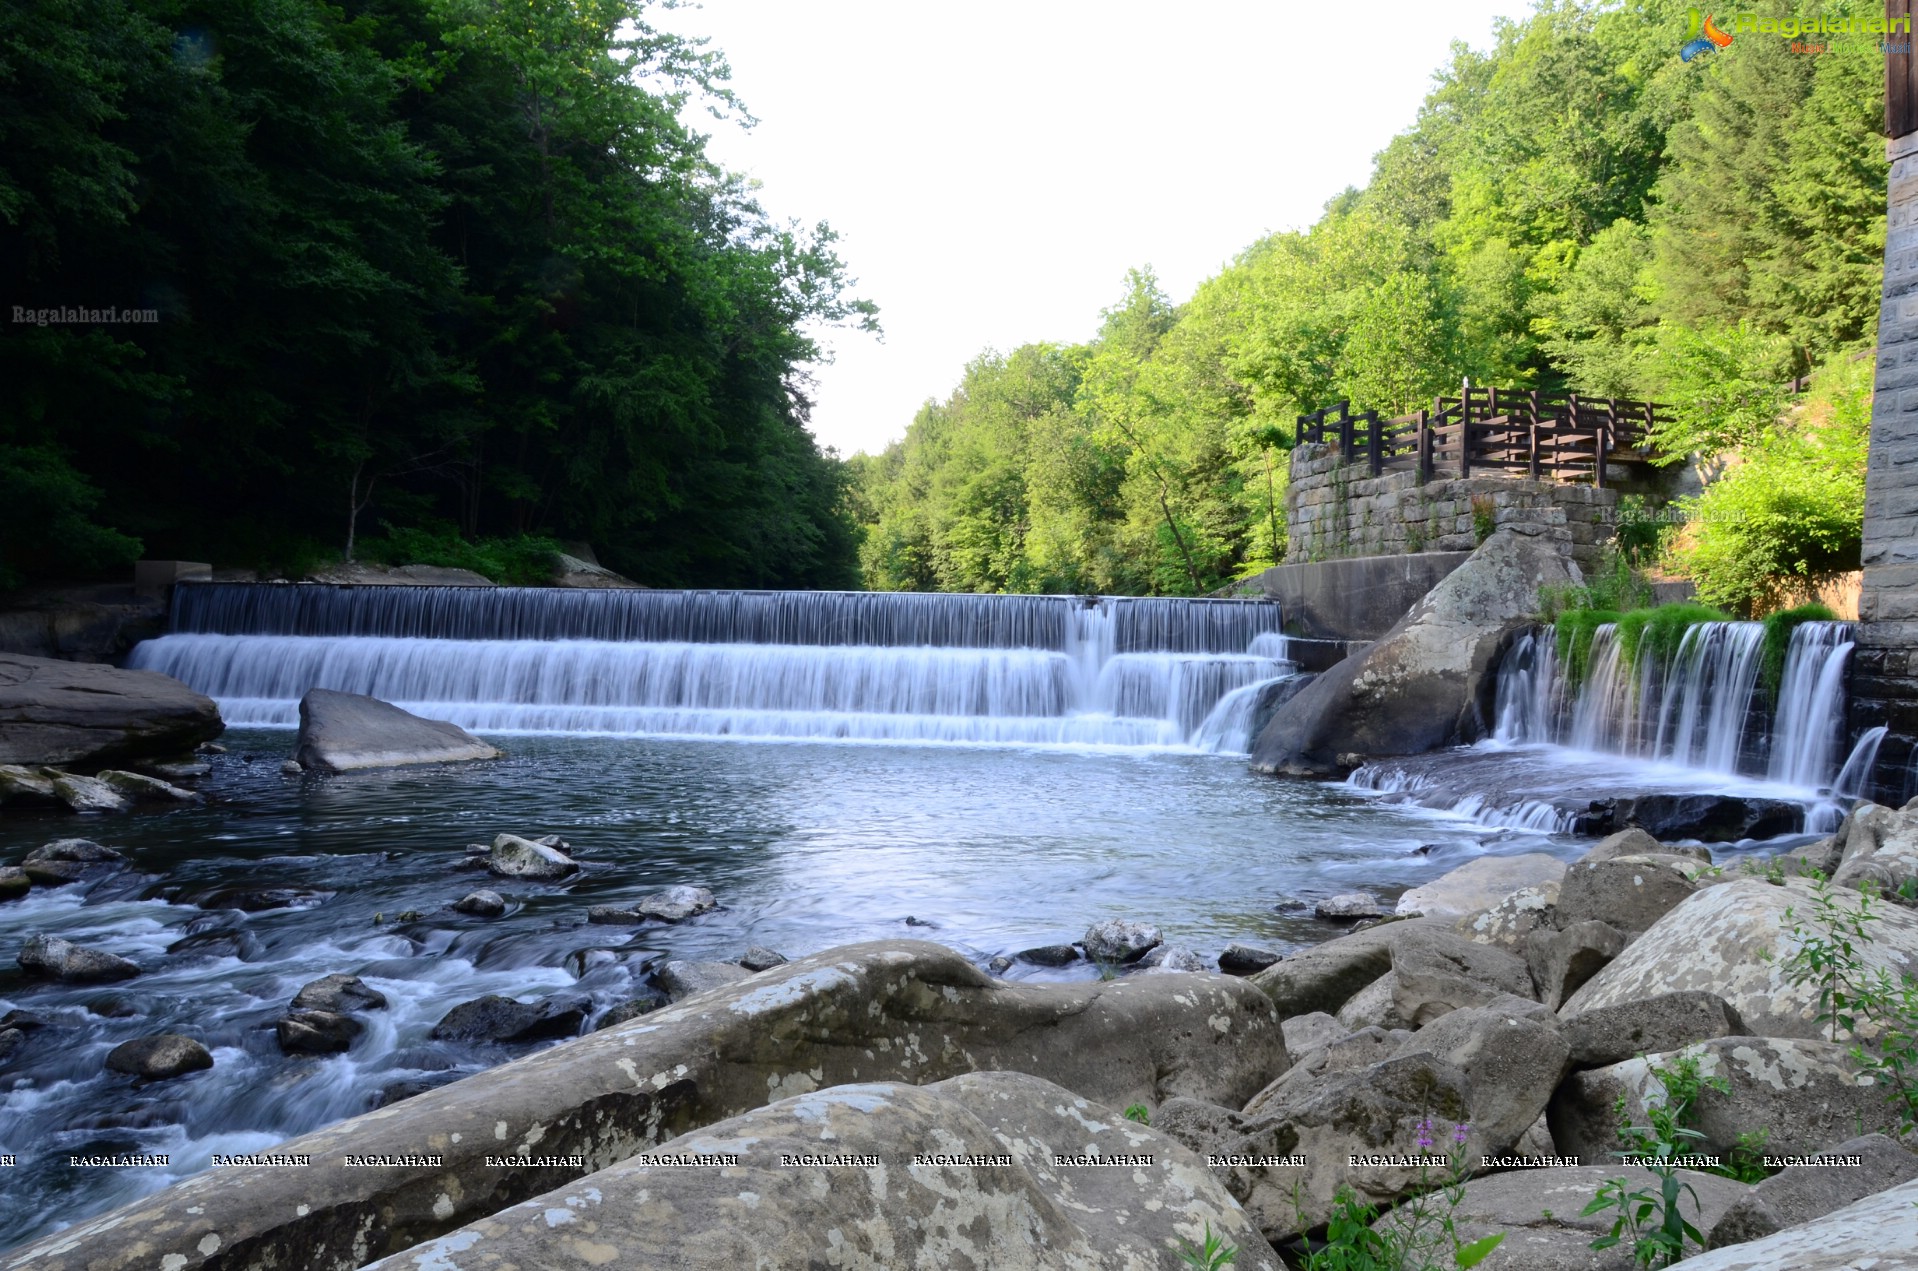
(1656, 632)
(1576, 628)
(1778, 629)
(1660, 630)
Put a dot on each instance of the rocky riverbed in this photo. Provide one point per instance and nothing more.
(900, 1098)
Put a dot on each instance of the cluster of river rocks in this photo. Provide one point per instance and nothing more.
(892, 1104)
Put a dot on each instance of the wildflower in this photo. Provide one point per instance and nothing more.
(1459, 1135)
(1425, 1134)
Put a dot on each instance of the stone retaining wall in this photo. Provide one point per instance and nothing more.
(1335, 510)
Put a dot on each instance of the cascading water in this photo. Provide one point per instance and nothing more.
(1686, 724)
(1811, 704)
(1023, 670)
(1694, 710)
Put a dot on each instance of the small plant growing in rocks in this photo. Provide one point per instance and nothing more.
(1419, 1235)
(1140, 1113)
(1830, 954)
(1210, 1256)
(1654, 1222)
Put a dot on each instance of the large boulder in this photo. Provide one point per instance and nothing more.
(985, 1170)
(1878, 845)
(79, 713)
(1435, 971)
(1629, 893)
(1734, 940)
(1606, 1035)
(340, 732)
(1356, 1128)
(1541, 1214)
(1420, 687)
(1480, 884)
(1878, 1233)
(886, 1011)
(1514, 1055)
(1509, 923)
(1323, 977)
(1561, 961)
(1847, 1172)
(1806, 1095)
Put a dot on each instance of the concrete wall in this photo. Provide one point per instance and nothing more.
(1356, 598)
(1884, 687)
(1335, 510)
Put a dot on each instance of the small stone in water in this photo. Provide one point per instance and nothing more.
(676, 904)
(317, 1032)
(84, 851)
(482, 904)
(613, 915)
(1349, 907)
(59, 959)
(760, 958)
(999, 965)
(292, 768)
(1244, 959)
(338, 993)
(158, 1058)
(1049, 955)
(11, 1040)
(918, 922)
(1169, 958)
(1117, 940)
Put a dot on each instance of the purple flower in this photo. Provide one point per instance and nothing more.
(1458, 1135)
(1425, 1134)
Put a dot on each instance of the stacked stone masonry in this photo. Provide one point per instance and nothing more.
(1335, 509)
(1884, 687)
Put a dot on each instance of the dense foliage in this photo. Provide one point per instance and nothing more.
(1574, 207)
(434, 267)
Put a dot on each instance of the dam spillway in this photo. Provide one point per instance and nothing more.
(880, 667)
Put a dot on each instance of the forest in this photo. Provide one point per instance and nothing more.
(421, 280)
(1573, 208)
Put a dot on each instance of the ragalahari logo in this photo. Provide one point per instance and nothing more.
(1702, 36)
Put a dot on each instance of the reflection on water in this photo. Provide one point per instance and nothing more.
(989, 850)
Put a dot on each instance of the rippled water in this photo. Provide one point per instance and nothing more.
(989, 850)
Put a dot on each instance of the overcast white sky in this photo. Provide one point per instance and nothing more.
(994, 167)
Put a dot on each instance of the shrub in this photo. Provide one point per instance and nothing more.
(524, 560)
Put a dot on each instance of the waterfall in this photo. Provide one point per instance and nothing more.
(1851, 780)
(1811, 704)
(1693, 709)
(1025, 670)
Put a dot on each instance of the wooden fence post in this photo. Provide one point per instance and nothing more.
(1424, 447)
(1345, 431)
(1375, 441)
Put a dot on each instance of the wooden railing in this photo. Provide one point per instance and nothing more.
(1541, 435)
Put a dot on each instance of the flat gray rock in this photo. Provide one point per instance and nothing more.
(1878, 1233)
(1021, 1207)
(54, 712)
(1480, 884)
(341, 732)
